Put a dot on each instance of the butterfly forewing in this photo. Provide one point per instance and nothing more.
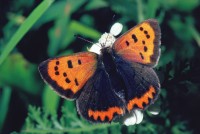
(68, 74)
(140, 44)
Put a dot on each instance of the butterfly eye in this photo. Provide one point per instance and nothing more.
(116, 29)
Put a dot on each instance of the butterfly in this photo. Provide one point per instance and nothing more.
(114, 81)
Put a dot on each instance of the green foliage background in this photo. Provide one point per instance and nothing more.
(32, 31)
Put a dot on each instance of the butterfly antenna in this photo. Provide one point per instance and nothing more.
(113, 18)
(81, 38)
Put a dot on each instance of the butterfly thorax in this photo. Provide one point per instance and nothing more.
(107, 59)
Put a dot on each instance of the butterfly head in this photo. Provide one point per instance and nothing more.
(107, 39)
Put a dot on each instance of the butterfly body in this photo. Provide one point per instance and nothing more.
(114, 81)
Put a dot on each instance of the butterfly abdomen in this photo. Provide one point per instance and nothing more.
(109, 64)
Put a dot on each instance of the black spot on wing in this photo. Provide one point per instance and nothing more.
(79, 61)
(56, 68)
(69, 62)
(145, 49)
(65, 74)
(127, 43)
(134, 38)
(143, 42)
(57, 62)
(76, 82)
(141, 55)
(148, 36)
(67, 80)
(57, 73)
(145, 32)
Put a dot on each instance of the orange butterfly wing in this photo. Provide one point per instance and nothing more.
(68, 74)
(141, 43)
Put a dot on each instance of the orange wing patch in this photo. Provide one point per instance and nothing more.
(102, 115)
(143, 101)
(68, 74)
(141, 43)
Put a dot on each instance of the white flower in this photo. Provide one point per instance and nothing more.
(116, 29)
(107, 39)
(133, 118)
(136, 116)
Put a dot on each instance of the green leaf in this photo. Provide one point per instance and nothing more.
(93, 5)
(180, 27)
(17, 72)
(186, 5)
(50, 100)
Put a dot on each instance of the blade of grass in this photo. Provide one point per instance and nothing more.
(140, 10)
(195, 34)
(23, 29)
(81, 29)
(4, 104)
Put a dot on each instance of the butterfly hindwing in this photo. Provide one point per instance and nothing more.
(98, 102)
(68, 74)
(142, 84)
(141, 43)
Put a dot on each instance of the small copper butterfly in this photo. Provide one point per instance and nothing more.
(113, 81)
